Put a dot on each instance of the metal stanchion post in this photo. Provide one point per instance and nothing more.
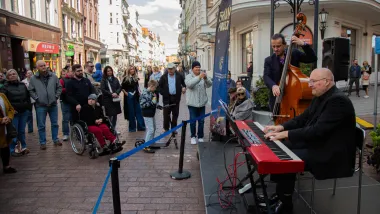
(115, 163)
(376, 84)
(181, 174)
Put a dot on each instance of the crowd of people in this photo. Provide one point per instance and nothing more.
(95, 96)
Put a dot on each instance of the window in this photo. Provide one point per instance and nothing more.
(110, 18)
(78, 6)
(350, 33)
(117, 37)
(89, 29)
(14, 6)
(72, 26)
(110, 1)
(79, 30)
(95, 30)
(72, 3)
(64, 23)
(209, 3)
(117, 18)
(48, 11)
(246, 50)
(33, 9)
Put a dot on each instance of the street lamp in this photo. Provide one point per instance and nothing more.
(323, 15)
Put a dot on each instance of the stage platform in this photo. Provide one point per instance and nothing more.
(211, 157)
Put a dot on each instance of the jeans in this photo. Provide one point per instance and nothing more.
(194, 113)
(29, 121)
(171, 113)
(134, 114)
(113, 120)
(66, 117)
(102, 131)
(41, 112)
(19, 122)
(351, 82)
(150, 124)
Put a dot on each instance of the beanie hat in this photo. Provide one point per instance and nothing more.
(195, 63)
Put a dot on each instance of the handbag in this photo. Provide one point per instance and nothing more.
(11, 130)
(365, 77)
(117, 99)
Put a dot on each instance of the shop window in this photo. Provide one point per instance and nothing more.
(247, 47)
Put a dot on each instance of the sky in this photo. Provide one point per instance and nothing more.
(161, 17)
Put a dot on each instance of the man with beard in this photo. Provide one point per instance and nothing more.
(78, 89)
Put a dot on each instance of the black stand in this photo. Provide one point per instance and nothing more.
(181, 174)
(115, 163)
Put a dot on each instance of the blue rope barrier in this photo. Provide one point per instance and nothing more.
(102, 191)
(139, 148)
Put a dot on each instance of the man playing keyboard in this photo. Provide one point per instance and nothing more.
(323, 136)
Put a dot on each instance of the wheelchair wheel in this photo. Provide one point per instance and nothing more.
(77, 139)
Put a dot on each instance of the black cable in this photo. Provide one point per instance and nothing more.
(225, 160)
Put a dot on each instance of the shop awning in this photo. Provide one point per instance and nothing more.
(42, 47)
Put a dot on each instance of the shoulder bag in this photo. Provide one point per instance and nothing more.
(117, 99)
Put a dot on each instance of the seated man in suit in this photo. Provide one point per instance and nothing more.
(323, 136)
(274, 64)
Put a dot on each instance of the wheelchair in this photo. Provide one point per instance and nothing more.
(81, 140)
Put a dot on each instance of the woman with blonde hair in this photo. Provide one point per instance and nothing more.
(6, 116)
(366, 72)
(132, 108)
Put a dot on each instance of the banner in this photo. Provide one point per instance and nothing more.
(219, 82)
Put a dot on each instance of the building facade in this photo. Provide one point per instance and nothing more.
(250, 30)
(29, 31)
(72, 40)
(92, 44)
(113, 30)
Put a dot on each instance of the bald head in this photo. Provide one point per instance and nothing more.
(321, 80)
(41, 67)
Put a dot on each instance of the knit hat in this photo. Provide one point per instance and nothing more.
(195, 63)
(92, 97)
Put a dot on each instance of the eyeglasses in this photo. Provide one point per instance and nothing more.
(311, 82)
(241, 94)
(78, 70)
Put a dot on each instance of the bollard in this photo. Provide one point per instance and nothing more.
(115, 163)
(181, 174)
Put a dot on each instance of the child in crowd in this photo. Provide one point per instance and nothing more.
(148, 102)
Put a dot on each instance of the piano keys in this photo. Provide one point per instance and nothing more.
(271, 157)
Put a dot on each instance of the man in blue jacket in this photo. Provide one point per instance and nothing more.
(274, 64)
(355, 74)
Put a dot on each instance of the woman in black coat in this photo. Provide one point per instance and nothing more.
(111, 89)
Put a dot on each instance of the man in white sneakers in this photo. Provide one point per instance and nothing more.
(196, 99)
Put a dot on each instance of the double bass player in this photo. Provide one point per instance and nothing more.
(274, 64)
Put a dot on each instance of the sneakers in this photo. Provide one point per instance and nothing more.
(148, 150)
(58, 143)
(366, 96)
(193, 141)
(65, 137)
(200, 140)
(118, 133)
(43, 147)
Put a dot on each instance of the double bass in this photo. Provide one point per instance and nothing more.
(295, 94)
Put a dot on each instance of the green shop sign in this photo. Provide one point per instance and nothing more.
(70, 50)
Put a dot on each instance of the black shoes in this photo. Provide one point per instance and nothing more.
(272, 200)
(9, 170)
(281, 208)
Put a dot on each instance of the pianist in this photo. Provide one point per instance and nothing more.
(322, 136)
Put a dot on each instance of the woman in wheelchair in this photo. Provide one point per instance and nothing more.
(93, 116)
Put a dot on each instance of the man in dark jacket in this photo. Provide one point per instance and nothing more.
(45, 89)
(78, 89)
(355, 74)
(274, 64)
(323, 136)
(171, 86)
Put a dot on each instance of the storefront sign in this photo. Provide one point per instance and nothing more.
(288, 31)
(42, 47)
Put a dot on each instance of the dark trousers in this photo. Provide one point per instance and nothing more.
(5, 154)
(352, 81)
(286, 182)
(172, 111)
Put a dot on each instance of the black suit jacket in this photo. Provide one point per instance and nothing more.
(327, 128)
(164, 87)
(273, 71)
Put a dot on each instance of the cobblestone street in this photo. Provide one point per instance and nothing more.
(59, 181)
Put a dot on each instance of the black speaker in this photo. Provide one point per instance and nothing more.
(336, 57)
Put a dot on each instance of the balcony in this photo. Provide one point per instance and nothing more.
(125, 13)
